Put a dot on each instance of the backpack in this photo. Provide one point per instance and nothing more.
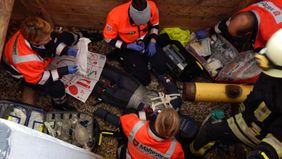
(222, 62)
(181, 65)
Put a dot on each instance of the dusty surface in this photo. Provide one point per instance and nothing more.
(10, 89)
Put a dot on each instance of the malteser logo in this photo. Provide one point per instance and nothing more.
(148, 150)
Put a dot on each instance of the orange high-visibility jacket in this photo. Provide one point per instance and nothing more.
(144, 143)
(118, 25)
(269, 17)
(19, 55)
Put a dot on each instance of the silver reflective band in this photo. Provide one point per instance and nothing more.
(171, 148)
(118, 44)
(26, 58)
(55, 75)
(135, 129)
(154, 31)
(44, 78)
(60, 48)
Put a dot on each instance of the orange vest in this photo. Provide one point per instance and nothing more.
(269, 17)
(143, 143)
(25, 61)
(118, 24)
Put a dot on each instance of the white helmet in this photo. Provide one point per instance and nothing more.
(270, 58)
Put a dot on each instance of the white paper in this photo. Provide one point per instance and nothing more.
(77, 85)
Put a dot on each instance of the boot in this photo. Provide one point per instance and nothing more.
(62, 104)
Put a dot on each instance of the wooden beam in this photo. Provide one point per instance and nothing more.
(6, 7)
(36, 8)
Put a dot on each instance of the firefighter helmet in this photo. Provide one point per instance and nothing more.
(270, 57)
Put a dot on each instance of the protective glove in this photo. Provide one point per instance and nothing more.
(135, 47)
(72, 51)
(201, 34)
(72, 68)
(151, 49)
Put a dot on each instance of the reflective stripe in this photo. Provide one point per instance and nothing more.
(60, 48)
(44, 78)
(150, 151)
(135, 129)
(216, 29)
(118, 44)
(256, 128)
(242, 107)
(245, 128)
(275, 143)
(154, 136)
(232, 125)
(202, 150)
(262, 112)
(128, 155)
(76, 37)
(55, 75)
(275, 11)
(156, 24)
(107, 40)
(264, 155)
(154, 31)
(171, 149)
(142, 37)
(26, 58)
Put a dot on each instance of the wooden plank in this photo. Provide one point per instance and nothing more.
(6, 7)
(93, 13)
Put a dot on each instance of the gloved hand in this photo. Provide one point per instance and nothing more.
(201, 34)
(72, 68)
(72, 51)
(135, 47)
(151, 49)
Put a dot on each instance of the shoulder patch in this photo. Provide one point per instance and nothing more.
(109, 27)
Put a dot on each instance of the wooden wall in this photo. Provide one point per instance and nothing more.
(191, 14)
(6, 7)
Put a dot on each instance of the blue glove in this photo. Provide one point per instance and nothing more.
(135, 47)
(201, 34)
(151, 49)
(72, 68)
(72, 51)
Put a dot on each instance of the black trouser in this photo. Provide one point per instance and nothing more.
(216, 131)
(136, 64)
(121, 89)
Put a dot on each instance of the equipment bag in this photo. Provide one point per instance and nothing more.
(180, 63)
(222, 61)
(77, 128)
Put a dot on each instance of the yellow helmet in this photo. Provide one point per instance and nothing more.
(270, 57)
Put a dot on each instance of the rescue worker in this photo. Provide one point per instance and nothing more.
(29, 52)
(151, 139)
(257, 21)
(133, 28)
(253, 25)
(259, 122)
